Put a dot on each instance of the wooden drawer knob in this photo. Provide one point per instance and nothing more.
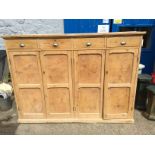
(22, 45)
(88, 44)
(55, 44)
(123, 43)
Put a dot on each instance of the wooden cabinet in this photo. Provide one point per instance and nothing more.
(74, 78)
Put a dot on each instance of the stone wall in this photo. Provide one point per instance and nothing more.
(30, 26)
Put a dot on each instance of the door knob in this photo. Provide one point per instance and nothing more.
(123, 43)
(55, 44)
(21, 45)
(88, 44)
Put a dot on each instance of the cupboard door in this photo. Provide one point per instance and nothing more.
(89, 67)
(57, 83)
(26, 72)
(120, 83)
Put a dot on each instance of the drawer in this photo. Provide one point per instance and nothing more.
(21, 44)
(123, 41)
(55, 44)
(89, 43)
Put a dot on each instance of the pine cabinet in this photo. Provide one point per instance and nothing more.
(76, 77)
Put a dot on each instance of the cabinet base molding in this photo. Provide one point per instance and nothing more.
(74, 121)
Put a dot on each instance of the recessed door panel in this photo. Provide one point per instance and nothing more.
(120, 67)
(56, 68)
(58, 99)
(31, 102)
(118, 100)
(26, 69)
(89, 100)
(89, 68)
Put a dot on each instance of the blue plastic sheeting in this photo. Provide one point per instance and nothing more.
(82, 25)
(133, 22)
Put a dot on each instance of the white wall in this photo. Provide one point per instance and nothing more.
(30, 26)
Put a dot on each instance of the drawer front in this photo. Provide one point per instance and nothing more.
(21, 44)
(55, 44)
(123, 41)
(89, 43)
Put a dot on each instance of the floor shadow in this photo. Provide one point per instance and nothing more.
(8, 121)
(145, 115)
(9, 129)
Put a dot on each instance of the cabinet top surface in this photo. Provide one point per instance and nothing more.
(129, 33)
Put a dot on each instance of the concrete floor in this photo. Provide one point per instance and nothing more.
(8, 125)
